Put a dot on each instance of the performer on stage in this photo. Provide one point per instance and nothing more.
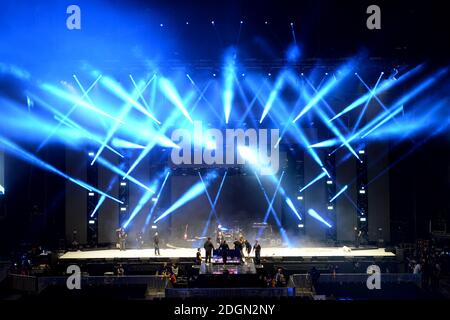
(224, 251)
(140, 240)
(122, 236)
(238, 247)
(198, 258)
(219, 237)
(257, 248)
(209, 247)
(358, 234)
(156, 244)
(248, 247)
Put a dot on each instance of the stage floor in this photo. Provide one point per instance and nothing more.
(190, 253)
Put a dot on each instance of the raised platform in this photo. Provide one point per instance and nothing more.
(190, 253)
(235, 269)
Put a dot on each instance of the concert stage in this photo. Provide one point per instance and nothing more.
(273, 252)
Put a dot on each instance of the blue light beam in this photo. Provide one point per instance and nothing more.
(320, 176)
(195, 191)
(316, 216)
(339, 193)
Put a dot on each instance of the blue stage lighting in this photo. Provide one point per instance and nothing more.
(196, 190)
(99, 203)
(144, 199)
(269, 208)
(118, 91)
(205, 229)
(320, 176)
(316, 216)
(325, 144)
(120, 172)
(76, 100)
(274, 214)
(86, 133)
(387, 84)
(326, 172)
(143, 89)
(361, 114)
(169, 90)
(342, 72)
(120, 143)
(64, 119)
(123, 113)
(331, 126)
(103, 198)
(150, 214)
(228, 90)
(213, 208)
(30, 158)
(281, 116)
(387, 118)
(72, 109)
(339, 193)
(291, 205)
(273, 95)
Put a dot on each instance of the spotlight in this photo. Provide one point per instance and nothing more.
(91, 194)
(212, 22)
(123, 184)
(242, 22)
(326, 73)
(243, 74)
(161, 25)
(123, 209)
(330, 208)
(154, 227)
(302, 74)
(91, 221)
(299, 198)
(154, 199)
(187, 22)
(362, 191)
(316, 216)
(269, 74)
(192, 193)
(320, 176)
(361, 152)
(91, 154)
(339, 193)
(214, 74)
(362, 219)
(301, 225)
(329, 182)
(292, 24)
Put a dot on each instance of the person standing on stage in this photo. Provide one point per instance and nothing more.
(198, 257)
(209, 247)
(358, 234)
(140, 240)
(238, 246)
(257, 248)
(224, 251)
(156, 244)
(219, 238)
(122, 236)
(248, 247)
